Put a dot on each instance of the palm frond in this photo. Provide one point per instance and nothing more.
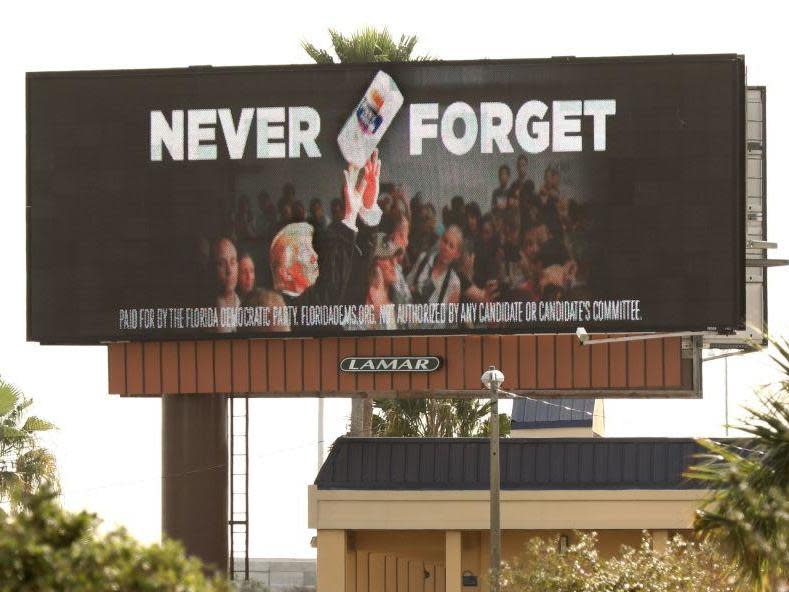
(366, 45)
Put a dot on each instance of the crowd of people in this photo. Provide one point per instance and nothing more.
(380, 246)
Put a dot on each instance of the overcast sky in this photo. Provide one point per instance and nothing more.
(108, 449)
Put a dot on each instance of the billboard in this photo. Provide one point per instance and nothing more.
(418, 198)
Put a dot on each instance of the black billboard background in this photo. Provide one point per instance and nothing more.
(109, 229)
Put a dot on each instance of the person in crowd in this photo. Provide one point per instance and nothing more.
(396, 224)
(509, 265)
(546, 199)
(455, 213)
(295, 270)
(469, 290)
(225, 260)
(472, 221)
(528, 286)
(513, 202)
(284, 211)
(317, 219)
(337, 210)
(246, 275)
(269, 299)
(266, 218)
(423, 231)
(499, 195)
(486, 261)
(433, 279)
(382, 278)
(244, 222)
(299, 213)
(522, 186)
(252, 295)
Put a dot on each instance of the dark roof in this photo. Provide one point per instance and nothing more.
(556, 413)
(526, 463)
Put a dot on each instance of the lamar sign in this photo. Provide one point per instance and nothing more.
(391, 364)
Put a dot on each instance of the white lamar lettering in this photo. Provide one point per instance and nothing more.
(535, 129)
(387, 364)
(199, 135)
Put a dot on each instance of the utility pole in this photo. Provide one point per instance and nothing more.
(320, 433)
(493, 379)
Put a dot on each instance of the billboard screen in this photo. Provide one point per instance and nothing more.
(430, 197)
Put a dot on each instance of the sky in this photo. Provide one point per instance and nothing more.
(108, 449)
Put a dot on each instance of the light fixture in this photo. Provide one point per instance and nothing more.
(492, 378)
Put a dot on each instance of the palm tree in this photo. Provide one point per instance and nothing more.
(363, 46)
(748, 512)
(445, 418)
(24, 464)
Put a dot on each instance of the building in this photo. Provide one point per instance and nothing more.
(416, 510)
(560, 418)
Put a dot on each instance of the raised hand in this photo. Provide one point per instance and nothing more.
(372, 178)
(353, 190)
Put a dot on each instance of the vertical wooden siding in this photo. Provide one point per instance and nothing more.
(310, 366)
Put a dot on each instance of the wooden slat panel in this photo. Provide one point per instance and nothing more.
(346, 347)
(240, 362)
(654, 361)
(416, 576)
(430, 580)
(472, 362)
(170, 367)
(116, 368)
(599, 355)
(582, 364)
(377, 574)
(437, 346)
(292, 366)
(329, 365)
(223, 367)
(672, 361)
(276, 365)
(401, 381)
(365, 346)
(187, 367)
(383, 347)
(509, 360)
(527, 365)
(419, 348)
(311, 355)
(454, 362)
(441, 578)
(134, 369)
(258, 366)
(617, 372)
(152, 366)
(491, 352)
(546, 361)
(402, 574)
(363, 571)
(564, 361)
(635, 364)
(391, 573)
(205, 366)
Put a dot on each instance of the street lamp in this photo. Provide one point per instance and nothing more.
(492, 379)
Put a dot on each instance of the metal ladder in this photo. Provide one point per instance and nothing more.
(239, 488)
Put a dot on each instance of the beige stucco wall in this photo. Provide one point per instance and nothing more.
(520, 510)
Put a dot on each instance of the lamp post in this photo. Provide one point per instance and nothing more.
(492, 379)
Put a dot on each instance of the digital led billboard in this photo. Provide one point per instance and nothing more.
(417, 198)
